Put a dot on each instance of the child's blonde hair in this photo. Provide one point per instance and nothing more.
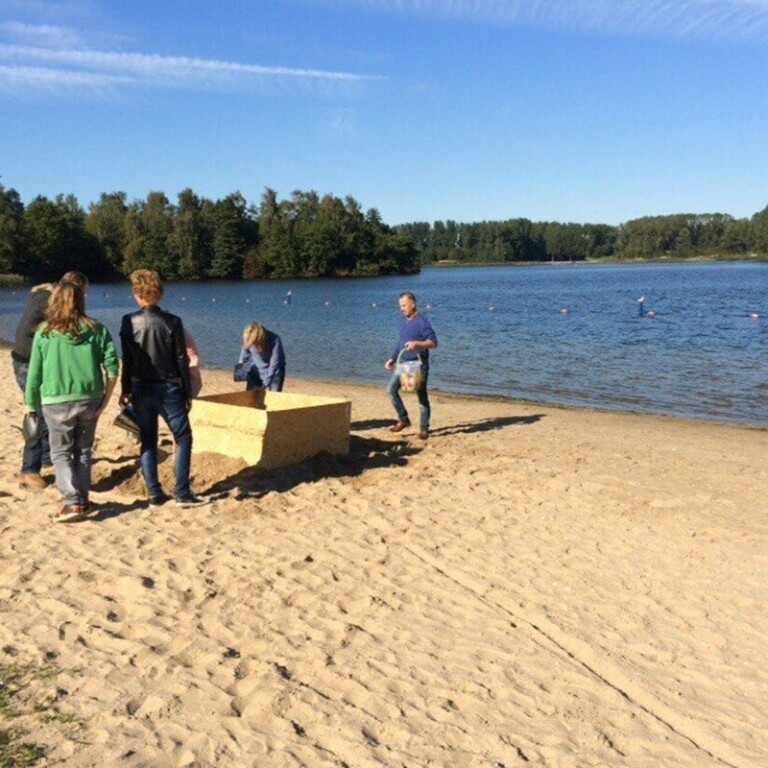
(255, 335)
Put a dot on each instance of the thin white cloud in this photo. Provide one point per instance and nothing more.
(15, 77)
(713, 19)
(41, 34)
(38, 63)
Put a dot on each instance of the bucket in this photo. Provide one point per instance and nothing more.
(409, 372)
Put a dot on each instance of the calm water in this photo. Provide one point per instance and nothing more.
(502, 331)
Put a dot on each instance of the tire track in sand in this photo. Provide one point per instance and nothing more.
(549, 634)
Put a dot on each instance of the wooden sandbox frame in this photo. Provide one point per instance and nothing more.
(270, 429)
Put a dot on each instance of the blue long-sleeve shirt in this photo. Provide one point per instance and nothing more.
(268, 363)
(416, 328)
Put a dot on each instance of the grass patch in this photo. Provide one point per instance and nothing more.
(17, 753)
(15, 679)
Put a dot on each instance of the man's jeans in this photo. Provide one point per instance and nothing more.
(393, 390)
(72, 428)
(38, 452)
(151, 400)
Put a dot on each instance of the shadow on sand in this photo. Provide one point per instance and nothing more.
(365, 453)
(488, 424)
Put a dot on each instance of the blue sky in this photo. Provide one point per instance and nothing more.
(585, 110)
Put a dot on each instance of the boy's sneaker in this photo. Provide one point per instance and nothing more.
(32, 480)
(159, 500)
(190, 500)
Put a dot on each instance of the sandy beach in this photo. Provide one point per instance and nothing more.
(534, 586)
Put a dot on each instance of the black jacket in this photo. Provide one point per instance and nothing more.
(33, 315)
(153, 349)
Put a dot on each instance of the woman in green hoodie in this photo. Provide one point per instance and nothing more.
(71, 352)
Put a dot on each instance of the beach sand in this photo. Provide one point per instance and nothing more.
(535, 586)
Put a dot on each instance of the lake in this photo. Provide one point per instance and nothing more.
(568, 334)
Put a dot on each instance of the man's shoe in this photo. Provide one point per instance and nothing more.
(158, 500)
(69, 513)
(190, 500)
(400, 426)
(32, 480)
(424, 434)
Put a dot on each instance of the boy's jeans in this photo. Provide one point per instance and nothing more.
(162, 398)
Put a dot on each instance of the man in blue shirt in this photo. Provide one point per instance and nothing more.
(416, 336)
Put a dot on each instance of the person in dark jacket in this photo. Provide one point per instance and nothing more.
(155, 380)
(37, 453)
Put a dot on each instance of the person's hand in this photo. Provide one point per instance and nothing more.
(124, 400)
(390, 364)
(411, 345)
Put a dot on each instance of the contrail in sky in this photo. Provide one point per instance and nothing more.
(63, 62)
(154, 66)
(680, 19)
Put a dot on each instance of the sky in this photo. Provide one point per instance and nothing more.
(588, 111)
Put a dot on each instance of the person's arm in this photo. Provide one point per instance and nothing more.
(126, 343)
(260, 364)
(416, 345)
(244, 364)
(192, 352)
(182, 359)
(34, 376)
(111, 367)
(109, 388)
(276, 361)
(428, 340)
(389, 363)
(195, 376)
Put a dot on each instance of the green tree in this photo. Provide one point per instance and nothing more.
(106, 222)
(189, 242)
(758, 236)
(275, 255)
(12, 236)
(58, 240)
(234, 233)
(148, 228)
(735, 237)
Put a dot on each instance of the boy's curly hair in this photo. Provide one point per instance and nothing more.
(147, 285)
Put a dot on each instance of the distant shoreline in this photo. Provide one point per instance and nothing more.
(19, 281)
(750, 259)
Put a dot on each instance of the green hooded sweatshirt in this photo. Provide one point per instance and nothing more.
(65, 368)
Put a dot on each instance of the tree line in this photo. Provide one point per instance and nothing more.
(307, 235)
(651, 237)
(199, 239)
